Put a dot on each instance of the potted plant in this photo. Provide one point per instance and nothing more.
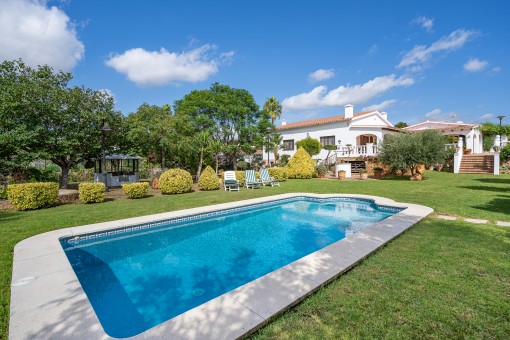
(363, 174)
(341, 174)
(467, 151)
(321, 170)
(378, 172)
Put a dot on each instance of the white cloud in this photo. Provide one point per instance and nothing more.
(475, 65)
(487, 116)
(496, 69)
(357, 94)
(108, 92)
(380, 106)
(373, 49)
(155, 68)
(421, 54)
(425, 22)
(320, 75)
(433, 113)
(39, 35)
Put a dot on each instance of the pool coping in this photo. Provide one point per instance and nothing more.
(47, 300)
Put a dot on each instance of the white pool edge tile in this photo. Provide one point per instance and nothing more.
(228, 316)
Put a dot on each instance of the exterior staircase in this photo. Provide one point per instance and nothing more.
(477, 164)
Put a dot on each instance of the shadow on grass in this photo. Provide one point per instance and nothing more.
(501, 204)
(9, 216)
(495, 180)
(485, 188)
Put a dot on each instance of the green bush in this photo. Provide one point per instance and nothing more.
(301, 165)
(505, 153)
(311, 145)
(242, 165)
(208, 180)
(136, 190)
(278, 173)
(175, 181)
(91, 192)
(32, 195)
(240, 177)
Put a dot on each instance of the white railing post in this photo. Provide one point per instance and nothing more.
(370, 149)
(457, 158)
(496, 163)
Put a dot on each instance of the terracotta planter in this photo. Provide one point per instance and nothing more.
(155, 183)
(363, 175)
(341, 174)
(377, 174)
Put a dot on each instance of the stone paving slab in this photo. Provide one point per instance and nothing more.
(50, 304)
(474, 220)
(503, 224)
(446, 217)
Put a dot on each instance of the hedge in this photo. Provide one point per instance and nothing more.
(175, 181)
(280, 174)
(91, 192)
(28, 196)
(136, 190)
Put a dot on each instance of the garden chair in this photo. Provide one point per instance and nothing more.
(267, 179)
(250, 180)
(230, 182)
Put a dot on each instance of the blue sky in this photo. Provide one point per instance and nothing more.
(416, 60)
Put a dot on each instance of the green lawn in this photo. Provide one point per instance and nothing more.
(440, 279)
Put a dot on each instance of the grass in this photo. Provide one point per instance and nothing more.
(440, 279)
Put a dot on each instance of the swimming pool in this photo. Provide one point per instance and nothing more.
(137, 277)
(49, 302)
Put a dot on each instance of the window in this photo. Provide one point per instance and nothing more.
(288, 145)
(328, 140)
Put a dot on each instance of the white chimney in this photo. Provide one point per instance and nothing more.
(385, 115)
(284, 122)
(349, 111)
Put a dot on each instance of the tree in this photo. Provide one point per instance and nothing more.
(230, 115)
(401, 125)
(42, 118)
(490, 130)
(274, 110)
(409, 150)
(202, 140)
(311, 145)
(151, 132)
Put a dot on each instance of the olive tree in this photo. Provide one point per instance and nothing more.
(409, 150)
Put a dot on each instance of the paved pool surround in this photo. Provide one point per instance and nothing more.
(48, 302)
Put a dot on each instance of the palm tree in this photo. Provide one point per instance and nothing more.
(274, 109)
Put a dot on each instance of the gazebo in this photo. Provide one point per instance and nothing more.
(120, 169)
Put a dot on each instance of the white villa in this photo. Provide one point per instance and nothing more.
(470, 133)
(354, 134)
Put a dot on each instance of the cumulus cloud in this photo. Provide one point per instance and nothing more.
(421, 54)
(380, 106)
(156, 68)
(475, 65)
(356, 94)
(38, 34)
(321, 75)
(424, 22)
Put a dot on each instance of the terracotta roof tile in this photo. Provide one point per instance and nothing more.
(319, 121)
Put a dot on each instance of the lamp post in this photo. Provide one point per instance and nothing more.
(106, 128)
(500, 117)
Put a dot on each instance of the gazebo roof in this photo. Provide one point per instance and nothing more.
(121, 156)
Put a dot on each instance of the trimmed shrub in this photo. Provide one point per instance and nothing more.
(28, 196)
(278, 173)
(135, 190)
(208, 180)
(240, 177)
(301, 165)
(91, 192)
(242, 165)
(175, 181)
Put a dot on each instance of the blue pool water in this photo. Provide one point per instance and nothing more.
(137, 279)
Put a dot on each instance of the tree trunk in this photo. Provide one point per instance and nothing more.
(234, 162)
(199, 170)
(275, 151)
(216, 157)
(163, 161)
(64, 180)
